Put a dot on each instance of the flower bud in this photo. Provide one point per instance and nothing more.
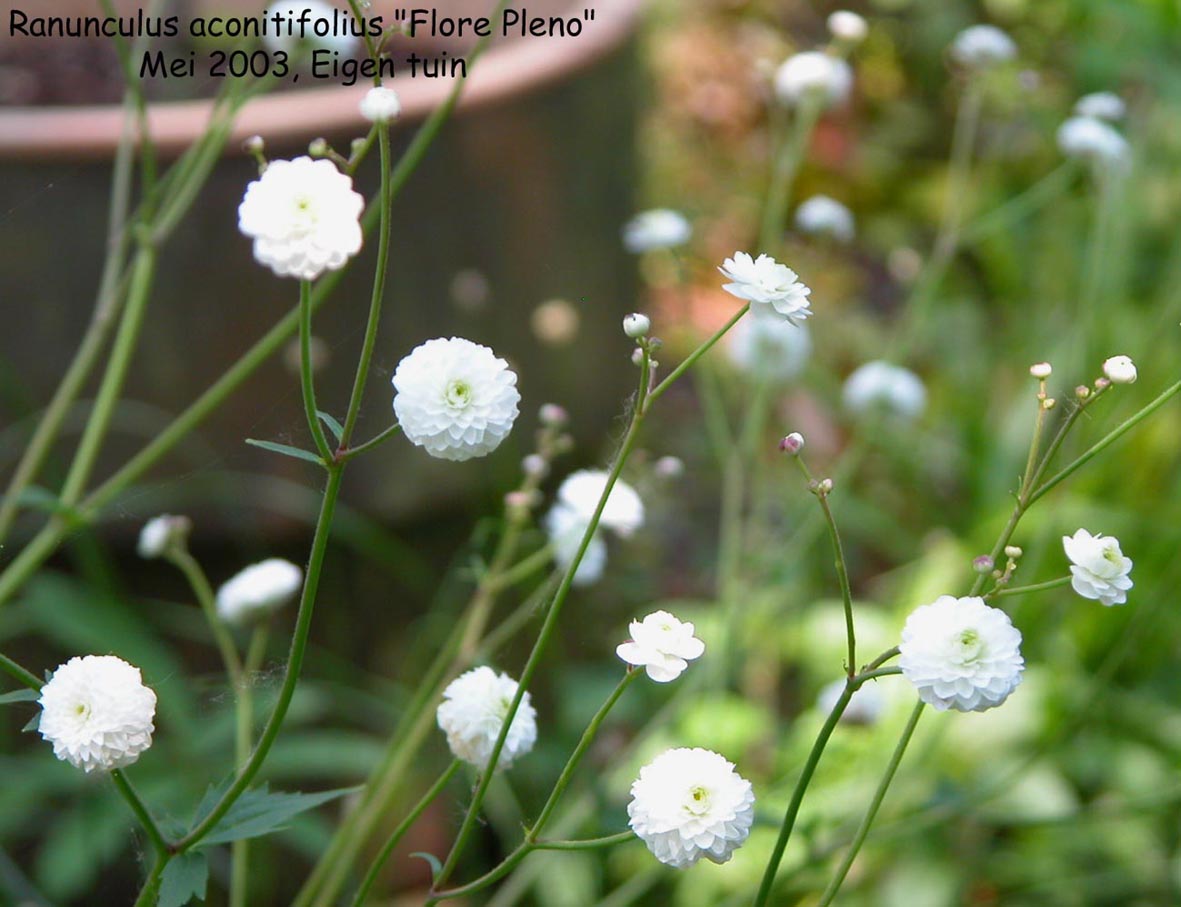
(638, 356)
(792, 444)
(636, 325)
(521, 501)
(553, 416)
(535, 466)
(318, 147)
(1041, 370)
(982, 564)
(1102, 384)
(1049, 403)
(254, 145)
(1013, 551)
(824, 487)
(1120, 370)
(669, 467)
(1082, 392)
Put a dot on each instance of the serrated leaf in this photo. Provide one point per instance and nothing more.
(287, 450)
(24, 695)
(333, 426)
(184, 878)
(259, 812)
(436, 866)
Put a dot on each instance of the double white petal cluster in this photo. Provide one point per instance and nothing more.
(380, 105)
(961, 654)
(1098, 568)
(455, 399)
(691, 803)
(303, 216)
(97, 713)
(821, 215)
(660, 228)
(472, 713)
(258, 590)
(767, 284)
(1102, 105)
(879, 385)
(762, 343)
(813, 76)
(980, 46)
(662, 645)
(567, 520)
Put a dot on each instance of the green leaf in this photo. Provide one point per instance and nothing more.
(436, 866)
(23, 695)
(287, 450)
(33, 725)
(333, 426)
(184, 878)
(259, 812)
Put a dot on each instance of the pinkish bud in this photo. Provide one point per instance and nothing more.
(792, 444)
(553, 416)
(982, 564)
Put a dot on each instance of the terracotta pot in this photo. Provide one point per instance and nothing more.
(523, 194)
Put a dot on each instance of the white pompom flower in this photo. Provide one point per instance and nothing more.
(879, 385)
(764, 282)
(258, 590)
(320, 18)
(691, 803)
(961, 654)
(472, 713)
(161, 533)
(580, 492)
(565, 528)
(1098, 568)
(824, 216)
(813, 76)
(980, 46)
(1093, 140)
(767, 345)
(380, 105)
(659, 228)
(662, 645)
(455, 399)
(1102, 105)
(97, 713)
(303, 216)
(1120, 370)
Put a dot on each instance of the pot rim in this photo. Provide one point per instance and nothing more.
(505, 71)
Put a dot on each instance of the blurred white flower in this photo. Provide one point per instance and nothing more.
(765, 344)
(380, 105)
(1101, 105)
(662, 645)
(472, 713)
(161, 533)
(1098, 568)
(455, 399)
(847, 26)
(865, 707)
(691, 803)
(763, 281)
(303, 216)
(881, 385)
(1120, 370)
(321, 17)
(1090, 139)
(821, 215)
(580, 492)
(961, 654)
(979, 46)
(660, 228)
(258, 590)
(813, 74)
(565, 528)
(97, 713)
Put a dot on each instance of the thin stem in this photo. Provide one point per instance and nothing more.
(243, 741)
(299, 642)
(159, 845)
(373, 442)
(306, 378)
(21, 675)
(404, 826)
(148, 894)
(873, 674)
(1041, 193)
(1035, 587)
(687, 364)
(523, 569)
(1109, 439)
(858, 839)
(787, 164)
(621, 837)
(883, 658)
(199, 582)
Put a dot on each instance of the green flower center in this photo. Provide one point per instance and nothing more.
(458, 394)
(970, 646)
(698, 802)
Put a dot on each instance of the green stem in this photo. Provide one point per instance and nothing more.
(692, 358)
(159, 845)
(373, 442)
(306, 378)
(299, 642)
(21, 675)
(858, 839)
(524, 568)
(787, 164)
(621, 837)
(1035, 587)
(150, 891)
(243, 740)
(187, 564)
(404, 826)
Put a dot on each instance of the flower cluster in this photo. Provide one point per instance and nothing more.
(455, 399)
(380, 105)
(472, 713)
(981, 46)
(1094, 140)
(662, 645)
(97, 713)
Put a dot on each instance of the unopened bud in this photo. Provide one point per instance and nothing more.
(521, 501)
(792, 444)
(1120, 370)
(553, 416)
(1049, 403)
(669, 467)
(1102, 384)
(636, 325)
(982, 564)
(1013, 551)
(318, 147)
(1041, 370)
(1082, 392)
(535, 466)
(254, 145)
(824, 486)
